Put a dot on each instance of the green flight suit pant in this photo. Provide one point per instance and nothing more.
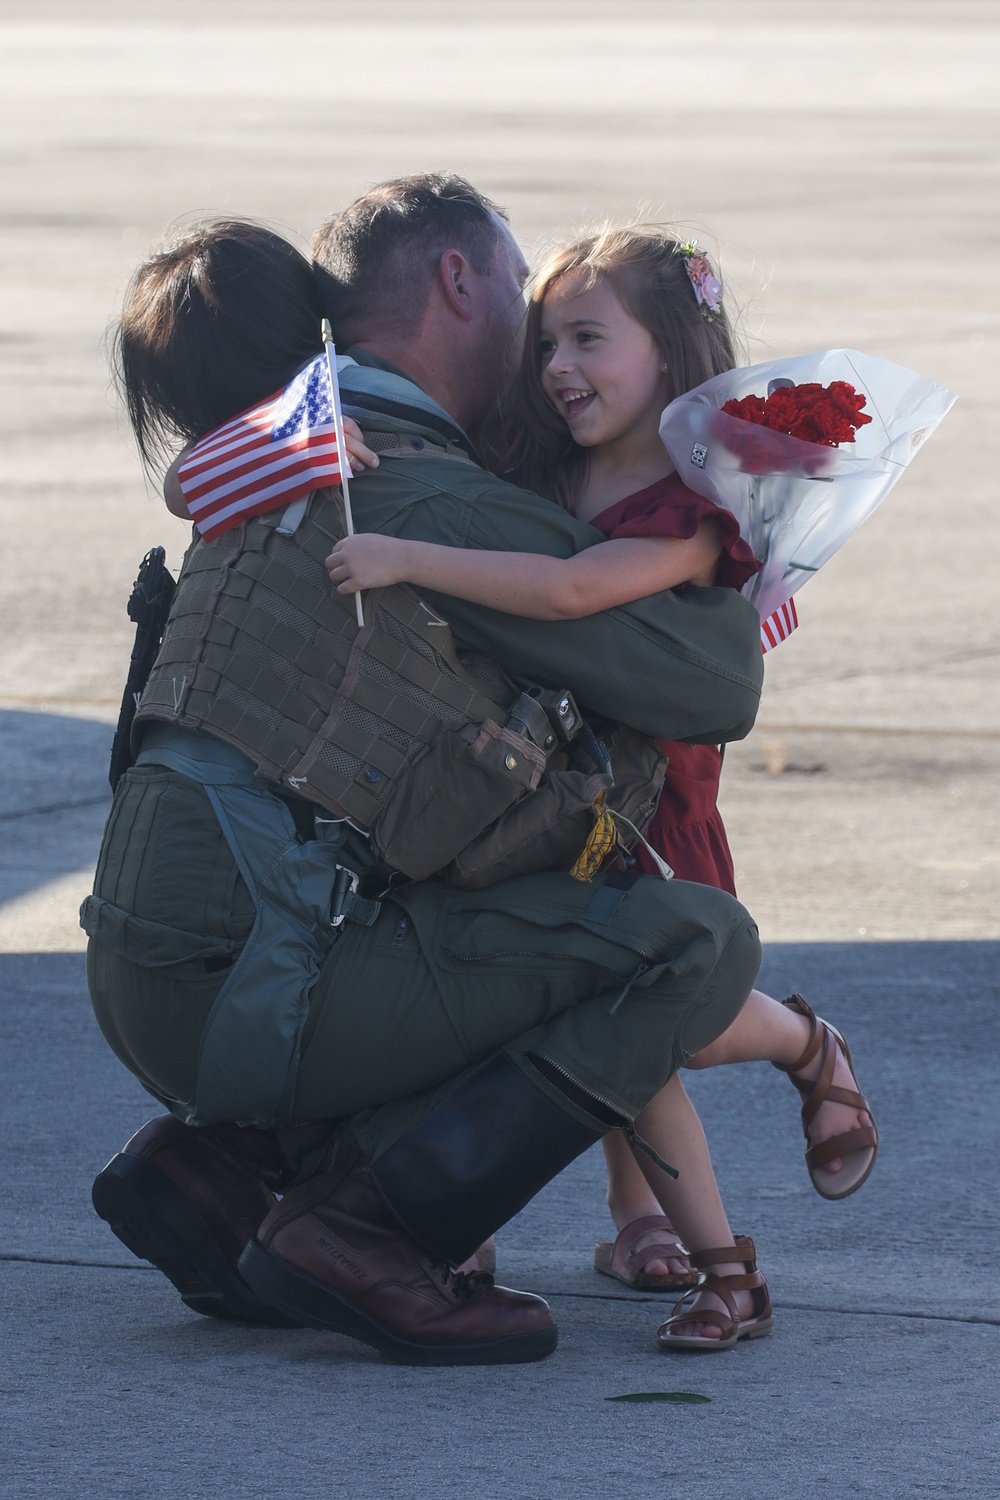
(610, 986)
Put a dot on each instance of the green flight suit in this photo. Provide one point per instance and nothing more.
(603, 987)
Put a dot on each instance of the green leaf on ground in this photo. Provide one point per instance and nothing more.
(690, 1397)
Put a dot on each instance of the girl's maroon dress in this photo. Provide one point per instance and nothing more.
(687, 827)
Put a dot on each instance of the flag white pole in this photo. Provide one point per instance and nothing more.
(338, 427)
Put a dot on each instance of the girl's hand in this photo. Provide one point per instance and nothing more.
(359, 457)
(367, 561)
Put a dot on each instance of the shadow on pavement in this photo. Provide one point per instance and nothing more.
(54, 796)
(876, 1380)
(922, 1019)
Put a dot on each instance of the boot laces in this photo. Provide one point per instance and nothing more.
(461, 1284)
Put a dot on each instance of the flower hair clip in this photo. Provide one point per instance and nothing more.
(706, 285)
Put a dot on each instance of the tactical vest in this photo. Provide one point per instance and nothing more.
(382, 726)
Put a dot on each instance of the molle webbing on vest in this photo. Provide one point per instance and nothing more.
(318, 705)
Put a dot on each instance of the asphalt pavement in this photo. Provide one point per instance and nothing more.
(845, 163)
(880, 1379)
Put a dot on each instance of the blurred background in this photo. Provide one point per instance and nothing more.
(842, 162)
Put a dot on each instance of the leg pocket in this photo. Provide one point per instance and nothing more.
(153, 1019)
(164, 858)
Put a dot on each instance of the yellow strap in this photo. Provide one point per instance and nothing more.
(600, 842)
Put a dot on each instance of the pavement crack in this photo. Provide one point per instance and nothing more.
(58, 1260)
(53, 807)
(818, 1307)
(874, 1312)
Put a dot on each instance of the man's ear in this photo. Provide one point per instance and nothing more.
(455, 281)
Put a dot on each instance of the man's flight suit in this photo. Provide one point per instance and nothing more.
(594, 993)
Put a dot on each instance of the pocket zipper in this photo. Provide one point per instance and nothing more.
(628, 1125)
(479, 958)
(648, 959)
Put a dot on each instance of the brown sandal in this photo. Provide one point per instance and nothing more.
(644, 1240)
(733, 1327)
(861, 1142)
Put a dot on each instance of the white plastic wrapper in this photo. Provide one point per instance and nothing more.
(797, 503)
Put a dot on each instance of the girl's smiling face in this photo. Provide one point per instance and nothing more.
(601, 369)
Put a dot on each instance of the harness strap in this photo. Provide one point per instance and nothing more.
(249, 1055)
(395, 445)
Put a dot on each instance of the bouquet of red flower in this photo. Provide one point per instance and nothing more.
(826, 415)
(791, 450)
(829, 414)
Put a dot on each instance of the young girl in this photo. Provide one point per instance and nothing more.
(619, 324)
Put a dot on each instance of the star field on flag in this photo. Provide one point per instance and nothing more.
(271, 454)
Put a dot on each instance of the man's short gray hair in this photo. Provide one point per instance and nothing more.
(376, 260)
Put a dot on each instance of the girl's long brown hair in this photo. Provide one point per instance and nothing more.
(646, 267)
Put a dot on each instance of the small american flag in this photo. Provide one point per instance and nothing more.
(265, 458)
(779, 626)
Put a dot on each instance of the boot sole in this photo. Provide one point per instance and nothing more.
(315, 1305)
(158, 1223)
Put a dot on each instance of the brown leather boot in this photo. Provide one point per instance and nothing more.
(332, 1256)
(188, 1200)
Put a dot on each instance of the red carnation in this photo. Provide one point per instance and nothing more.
(814, 413)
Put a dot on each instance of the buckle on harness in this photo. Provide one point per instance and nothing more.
(561, 708)
(545, 717)
(347, 906)
(345, 884)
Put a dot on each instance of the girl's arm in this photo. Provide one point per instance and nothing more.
(524, 583)
(360, 457)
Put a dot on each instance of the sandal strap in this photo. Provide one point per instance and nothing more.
(742, 1253)
(634, 1256)
(861, 1138)
(720, 1320)
(839, 1095)
(720, 1285)
(803, 1008)
(823, 1090)
(638, 1227)
(831, 1045)
(723, 1287)
(832, 1095)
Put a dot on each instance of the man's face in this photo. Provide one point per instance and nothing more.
(507, 278)
(502, 328)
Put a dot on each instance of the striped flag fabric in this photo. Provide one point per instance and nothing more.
(778, 626)
(268, 456)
